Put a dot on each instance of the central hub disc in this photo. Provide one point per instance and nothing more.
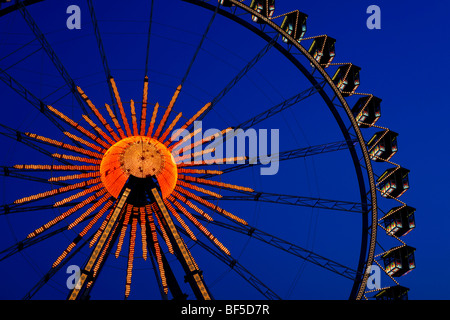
(142, 157)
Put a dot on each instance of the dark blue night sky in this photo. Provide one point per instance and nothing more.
(404, 63)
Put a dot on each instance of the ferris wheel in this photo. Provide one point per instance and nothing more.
(119, 178)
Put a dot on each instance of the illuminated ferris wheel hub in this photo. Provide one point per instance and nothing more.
(141, 157)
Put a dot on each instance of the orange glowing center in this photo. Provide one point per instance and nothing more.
(142, 157)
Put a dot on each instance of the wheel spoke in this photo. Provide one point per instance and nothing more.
(52, 272)
(193, 274)
(292, 200)
(14, 6)
(28, 96)
(149, 32)
(199, 46)
(282, 106)
(286, 155)
(239, 76)
(14, 208)
(272, 111)
(237, 267)
(12, 172)
(100, 245)
(50, 52)
(28, 242)
(101, 49)
(23, 138)
(287, 246)
(150, 243)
